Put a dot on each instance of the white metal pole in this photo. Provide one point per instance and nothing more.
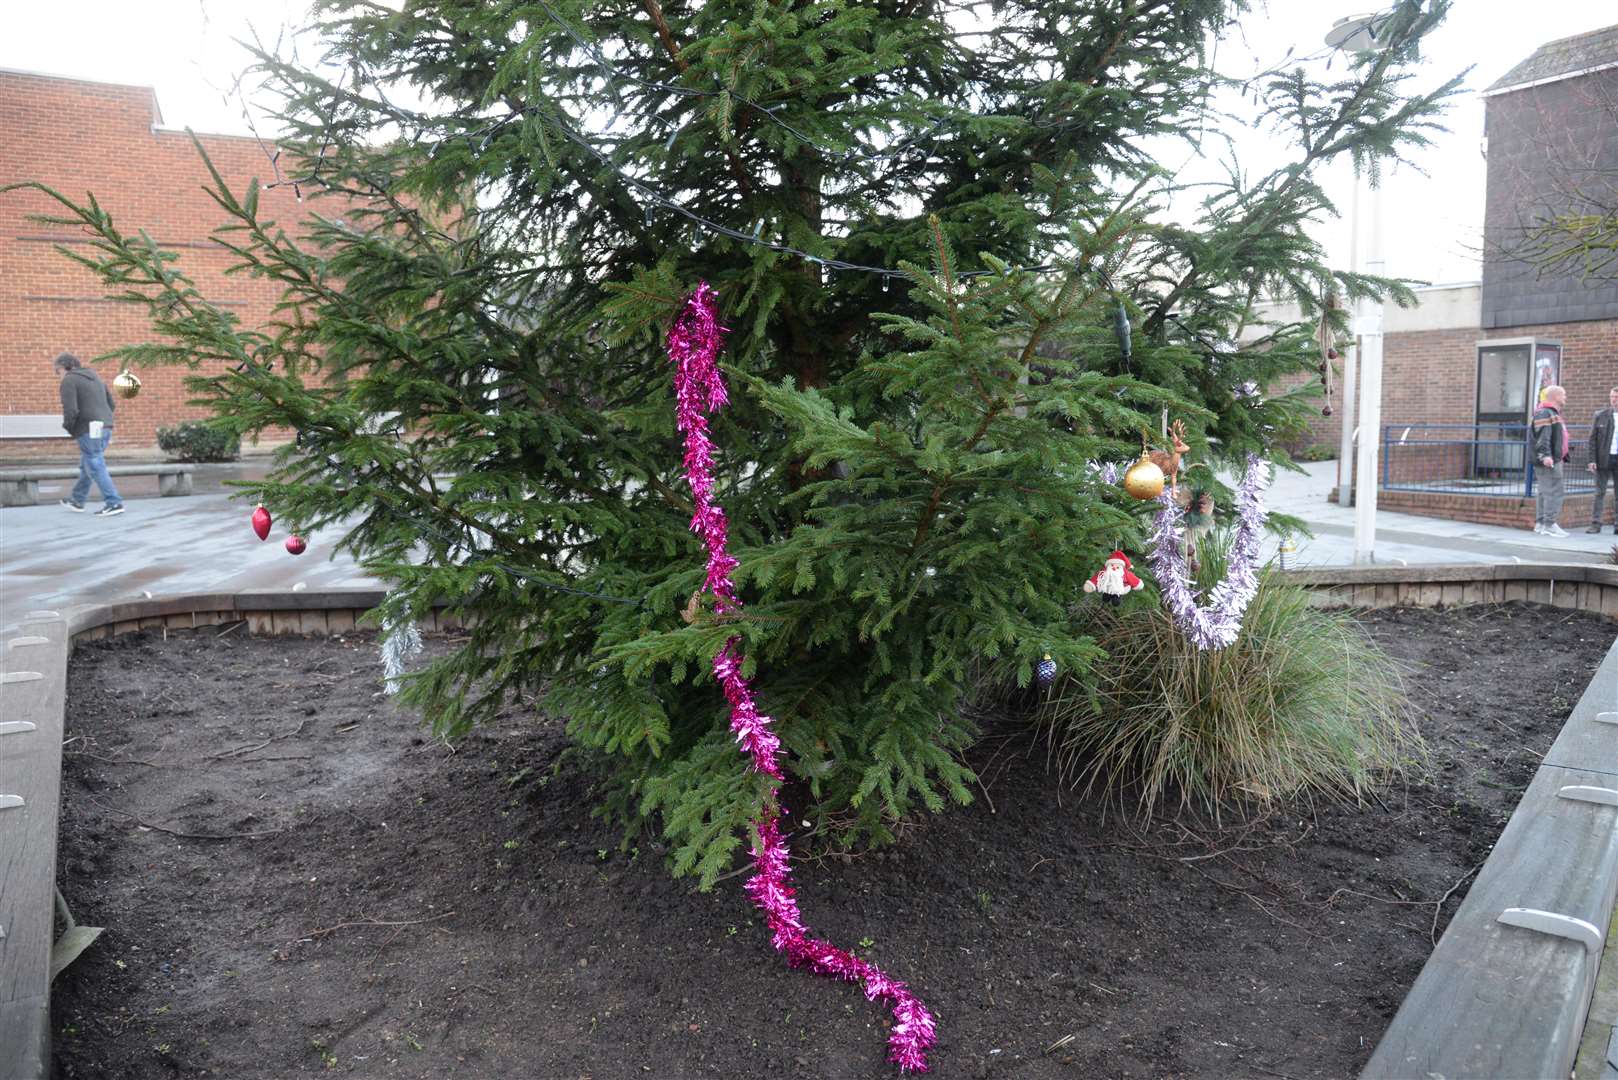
(1346, 406)
(1368, 467)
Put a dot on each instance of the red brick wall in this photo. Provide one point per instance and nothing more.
(83, 137)
(1513, 512)
(1430, 376)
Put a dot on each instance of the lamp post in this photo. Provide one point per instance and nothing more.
(1361, 34)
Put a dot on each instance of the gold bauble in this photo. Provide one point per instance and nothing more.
(126, 383)
(1144, 480)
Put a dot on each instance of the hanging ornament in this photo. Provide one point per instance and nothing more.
(261, 522)
(126, 383)
(1114, 580)
(295, 544)
(699, 389)
(1145, 479)
(1045, 671)
(1199, 522)
(1168, 461)
(1323, 331)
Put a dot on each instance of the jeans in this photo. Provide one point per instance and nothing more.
(1603, 476)
(1548, 494)
(93, 466)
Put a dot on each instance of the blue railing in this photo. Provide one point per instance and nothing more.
(1475, 459)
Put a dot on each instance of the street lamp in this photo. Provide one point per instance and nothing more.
(1362, 34)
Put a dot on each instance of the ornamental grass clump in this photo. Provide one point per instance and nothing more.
(1302, 702)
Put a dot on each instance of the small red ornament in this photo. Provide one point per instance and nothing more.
(261, 522)
(1325, 410)
(1331, 354)
(295, 545)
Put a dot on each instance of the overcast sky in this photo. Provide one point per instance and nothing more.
(184, 49)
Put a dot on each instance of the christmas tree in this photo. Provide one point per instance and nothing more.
(937, 240)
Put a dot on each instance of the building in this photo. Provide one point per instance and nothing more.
(80, 136)
(1461, 371)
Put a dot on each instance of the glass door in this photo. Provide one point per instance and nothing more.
(1505, 382)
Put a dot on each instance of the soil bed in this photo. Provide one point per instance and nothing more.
(373, 902)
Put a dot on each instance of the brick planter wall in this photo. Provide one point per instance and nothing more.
(1511, 512)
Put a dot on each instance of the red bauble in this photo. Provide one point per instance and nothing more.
(1331, 354)
(1325, 411)
(295, 545)
(261, 522)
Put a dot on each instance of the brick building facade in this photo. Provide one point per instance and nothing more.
(1552, 125)
(78, 136)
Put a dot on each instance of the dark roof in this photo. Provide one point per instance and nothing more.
(1559, 59)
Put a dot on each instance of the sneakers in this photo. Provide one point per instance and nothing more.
(69, 504)
(1593, 529)
(109, 511)
(1539, 529)
(1552, 529)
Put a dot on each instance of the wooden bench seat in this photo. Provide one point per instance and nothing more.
(20, 487)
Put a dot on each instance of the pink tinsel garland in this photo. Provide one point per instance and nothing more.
(694, 343)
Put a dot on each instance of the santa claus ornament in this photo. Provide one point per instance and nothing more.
(1114, 581)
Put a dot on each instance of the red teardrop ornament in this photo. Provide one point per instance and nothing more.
(261, 522)
(295, 545)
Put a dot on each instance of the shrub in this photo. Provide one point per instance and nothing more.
(1303, 701)
(194, 441)
(1315, 452)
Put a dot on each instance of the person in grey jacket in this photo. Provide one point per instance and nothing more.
(87, 409)
(1550, 452)
(1603, 459)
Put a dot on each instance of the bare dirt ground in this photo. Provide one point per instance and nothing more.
(297, 880)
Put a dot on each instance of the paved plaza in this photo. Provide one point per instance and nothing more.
(52, 558)
(202, 543)
(1406, 539)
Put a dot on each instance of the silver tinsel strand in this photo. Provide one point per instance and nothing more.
(400, 641)
(1218, 624)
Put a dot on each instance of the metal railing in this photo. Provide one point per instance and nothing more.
(1475, 459)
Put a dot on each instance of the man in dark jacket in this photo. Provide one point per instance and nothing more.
(1550, 452)
(87, 408)
(1603, 458)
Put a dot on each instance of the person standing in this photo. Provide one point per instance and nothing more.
(87, 409)
(1603, 458)
(1550, 453)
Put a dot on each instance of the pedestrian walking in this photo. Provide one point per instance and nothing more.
(1550, 454)
(1603, 458)
(87, 409)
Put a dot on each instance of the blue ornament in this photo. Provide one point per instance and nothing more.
(1046, 671)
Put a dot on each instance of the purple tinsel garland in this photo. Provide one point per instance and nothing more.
(1217, 625)
(694, 343)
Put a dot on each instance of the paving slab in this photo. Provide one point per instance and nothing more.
(52, 558)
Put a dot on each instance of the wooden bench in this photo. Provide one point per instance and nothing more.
(20, 487)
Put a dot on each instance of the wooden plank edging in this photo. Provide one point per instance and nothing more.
(1499, 1000)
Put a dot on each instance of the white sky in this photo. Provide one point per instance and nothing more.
(184, 49)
